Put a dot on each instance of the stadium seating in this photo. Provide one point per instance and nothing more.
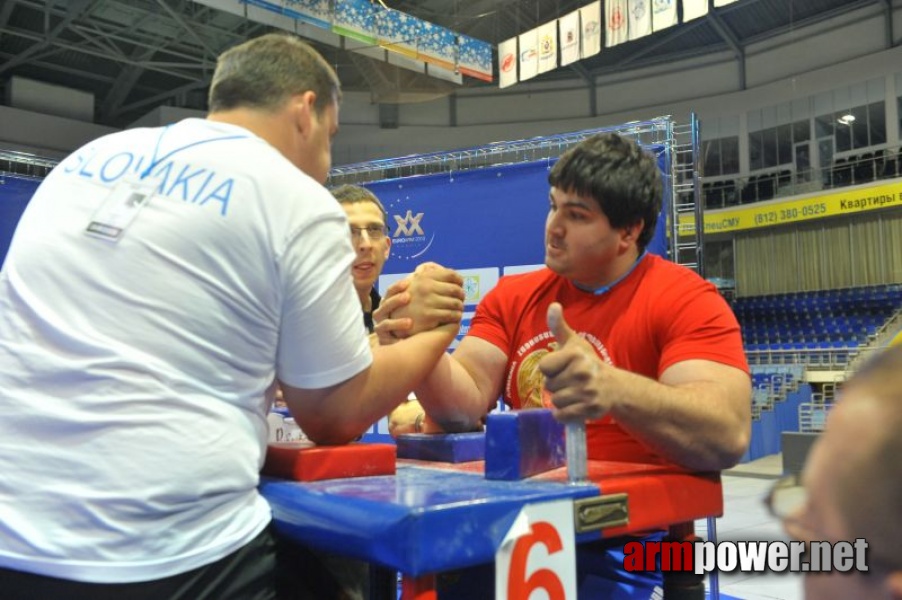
(787, 334)
(719, 194)
(767, 186)
(842, 173)
(823, 328)
(887, 165)
(863, 168)
(777, 393)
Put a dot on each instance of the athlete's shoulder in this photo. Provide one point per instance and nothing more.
(526, 282)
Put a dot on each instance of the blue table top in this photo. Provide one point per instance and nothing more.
(421, 520)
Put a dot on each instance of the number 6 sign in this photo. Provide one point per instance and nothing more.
(537, 558)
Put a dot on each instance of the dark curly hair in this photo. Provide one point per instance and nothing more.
(618, 174)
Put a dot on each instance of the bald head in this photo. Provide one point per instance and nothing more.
(853, 476)
(869, 484)
(864, 440)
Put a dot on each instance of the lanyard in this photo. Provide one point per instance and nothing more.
(605, 288)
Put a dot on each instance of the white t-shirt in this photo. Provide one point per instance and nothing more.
(135, 376)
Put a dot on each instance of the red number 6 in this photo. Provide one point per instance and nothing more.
(520, 589)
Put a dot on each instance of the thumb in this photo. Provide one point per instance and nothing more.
(556, 323)
(397, 287)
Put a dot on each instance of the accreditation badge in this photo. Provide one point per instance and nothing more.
(121, 208)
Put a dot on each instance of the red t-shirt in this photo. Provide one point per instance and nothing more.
(658, 315)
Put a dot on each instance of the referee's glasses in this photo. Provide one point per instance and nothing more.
(375, 233)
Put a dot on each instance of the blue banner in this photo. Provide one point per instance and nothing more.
(491, 218)
(15, 192)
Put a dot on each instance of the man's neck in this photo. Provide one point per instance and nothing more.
(266, 125)
(620, 268)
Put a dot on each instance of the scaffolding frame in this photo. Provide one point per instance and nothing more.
(23, 164)
(679, 144)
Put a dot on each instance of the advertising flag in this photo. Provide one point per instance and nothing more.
(529, 54)
(568, 38)
(640, 19)
(547, 35)
(664, 14)
(590, 25)
(693, 9)
(507, 63)
(616, 22)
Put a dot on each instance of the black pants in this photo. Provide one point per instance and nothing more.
(246, 574)
(308, 574)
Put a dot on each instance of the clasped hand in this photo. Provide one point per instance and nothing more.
(432, 296)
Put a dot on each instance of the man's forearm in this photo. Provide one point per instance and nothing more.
(341, 412)
(451, 398)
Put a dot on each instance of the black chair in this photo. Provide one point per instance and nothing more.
(784, 183)
(749, 193)
(729, 193)
(766, 187)
(890, 164)
(879, 164)
(863, 170)
(710, 193)
(842, 173)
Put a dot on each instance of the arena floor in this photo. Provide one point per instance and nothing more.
(746, 519)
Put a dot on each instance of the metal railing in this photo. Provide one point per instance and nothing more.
(813, 417)
(25, 165)
(652, 132)
(784, 181)
(835, 359)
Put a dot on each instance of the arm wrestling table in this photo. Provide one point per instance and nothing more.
(433, 517)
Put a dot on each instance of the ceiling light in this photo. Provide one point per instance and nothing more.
(846, 119)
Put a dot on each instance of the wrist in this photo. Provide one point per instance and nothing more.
(419, 422)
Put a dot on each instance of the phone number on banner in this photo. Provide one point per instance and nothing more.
(803, 209)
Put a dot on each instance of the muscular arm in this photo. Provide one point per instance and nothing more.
(463, 386)
(710, 424)
(698, 414)
(339, 413)
(460, 389)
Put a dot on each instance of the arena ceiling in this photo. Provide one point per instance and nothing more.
(135, 55)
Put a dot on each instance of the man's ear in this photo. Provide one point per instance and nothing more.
(387, 246)
(303, 107)
(630, 234)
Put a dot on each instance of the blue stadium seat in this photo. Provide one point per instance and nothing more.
(818, 327)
